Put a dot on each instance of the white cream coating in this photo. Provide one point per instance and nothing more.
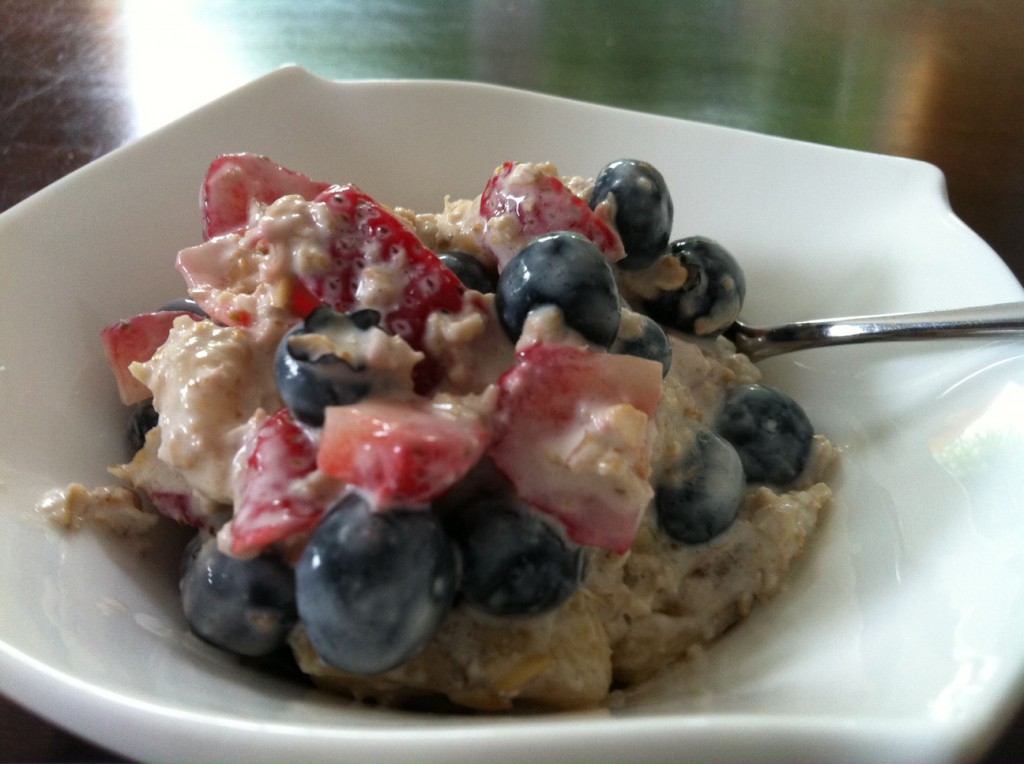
(471, 344)
(589, 463)
(247, 279)
(636, 612)
(639, 611)
(296, 234)
(460, 226)
(546, 325)
(213, 385)
(206, 381)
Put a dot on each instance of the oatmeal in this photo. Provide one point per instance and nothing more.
(498, 454)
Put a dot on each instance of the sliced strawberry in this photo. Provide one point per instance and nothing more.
(302, 302)
(273, 504)
(541, 203)
(217, 281)
(180, 507)
(234, 181)
(136, 339)
(224, 276)
(377, 262)
(400, 452)
(573, 433)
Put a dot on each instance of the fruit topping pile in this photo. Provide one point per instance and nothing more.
(368, 433)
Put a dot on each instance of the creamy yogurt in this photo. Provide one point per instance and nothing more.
(637, 609)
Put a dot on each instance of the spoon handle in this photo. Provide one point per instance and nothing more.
(761, 343)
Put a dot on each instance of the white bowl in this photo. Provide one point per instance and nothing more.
(901, 634)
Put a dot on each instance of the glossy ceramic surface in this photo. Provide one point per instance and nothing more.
(899, 636)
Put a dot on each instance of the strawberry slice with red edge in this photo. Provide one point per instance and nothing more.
(136, 339)
(272, 505)
(234, 181)
(573, 432)
(541, 204)
(373, 251)
(179, 507)
(400, 452)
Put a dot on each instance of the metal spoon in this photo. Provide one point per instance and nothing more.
(760, 343)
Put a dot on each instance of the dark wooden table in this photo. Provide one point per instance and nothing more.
(936, 80)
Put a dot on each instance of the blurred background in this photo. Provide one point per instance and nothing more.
(936, 80)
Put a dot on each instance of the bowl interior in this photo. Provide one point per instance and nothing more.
(893, 614)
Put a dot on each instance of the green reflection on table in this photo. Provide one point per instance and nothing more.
(661, 56)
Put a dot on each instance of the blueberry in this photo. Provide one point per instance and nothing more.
(514, 562)
(770, 431)
(643, 209)
(641, 336)
(470, 270)
(711, 298)
(373, 587)
(143, 419)
(567, 271)
(702, 499)
(244, 606)
(321, 363)
(186, 304)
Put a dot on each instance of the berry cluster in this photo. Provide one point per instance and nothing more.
(372, 567)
